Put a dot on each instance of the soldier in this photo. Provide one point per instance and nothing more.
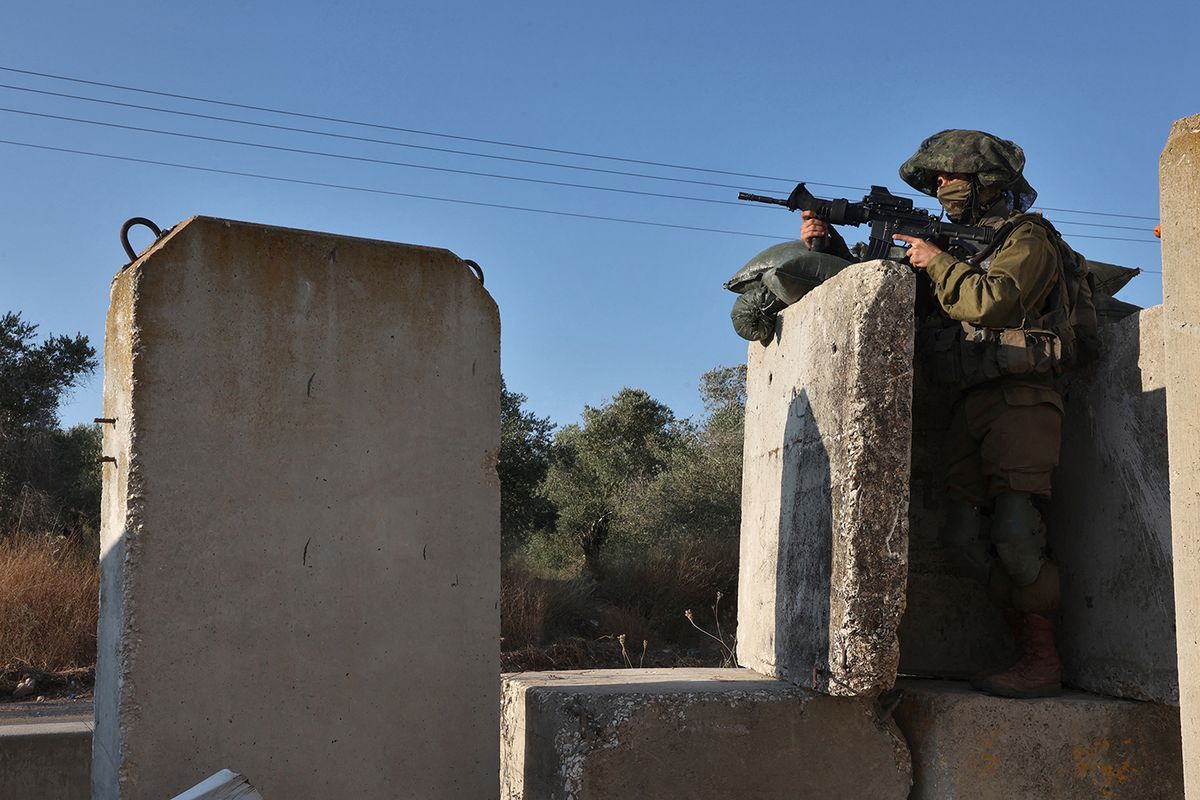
(1013, 337)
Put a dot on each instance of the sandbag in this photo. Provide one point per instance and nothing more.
(754, 313)
(794, 270)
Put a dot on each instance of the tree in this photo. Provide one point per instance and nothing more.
(598, 466)
(34, 379)
(698, 497)
(41, 466)
(525, 442)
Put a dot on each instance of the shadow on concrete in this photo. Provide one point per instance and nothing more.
(1110, 520)
(805, 555)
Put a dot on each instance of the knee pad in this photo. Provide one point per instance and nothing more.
(1020, 536)
(964, 533)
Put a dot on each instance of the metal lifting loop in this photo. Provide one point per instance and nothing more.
(125, 234)
(476, 268)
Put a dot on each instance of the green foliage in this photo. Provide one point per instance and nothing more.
(599, 466)
(525, 442)
(34, 378)
(49, 479)
(698, 497)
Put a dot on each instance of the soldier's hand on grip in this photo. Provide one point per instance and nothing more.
(812, 228)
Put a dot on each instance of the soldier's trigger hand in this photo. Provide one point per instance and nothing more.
(812, 228)
(920, 252)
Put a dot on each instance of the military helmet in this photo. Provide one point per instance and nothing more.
(992, 160)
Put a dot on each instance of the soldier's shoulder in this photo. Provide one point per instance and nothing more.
(1030, 230)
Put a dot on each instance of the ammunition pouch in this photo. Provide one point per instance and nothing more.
(966, 356)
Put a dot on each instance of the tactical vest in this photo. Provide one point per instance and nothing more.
(1061, 334)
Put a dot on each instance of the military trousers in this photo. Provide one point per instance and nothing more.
(1005, 436)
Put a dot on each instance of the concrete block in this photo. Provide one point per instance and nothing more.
(969, 745)
(224, 785)
(300, 533)
(704, 734)
(1179, 181)
(825, 485)
(46, 761)
(1110, 520)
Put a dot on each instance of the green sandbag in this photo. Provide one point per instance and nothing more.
(789, 269)
(754, 313)
(1110, 278)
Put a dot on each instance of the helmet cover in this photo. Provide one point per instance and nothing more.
(994, 162)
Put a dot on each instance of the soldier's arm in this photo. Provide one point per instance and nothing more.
(1022, 274)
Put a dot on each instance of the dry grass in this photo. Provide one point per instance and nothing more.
(536, 609)
(49, 593)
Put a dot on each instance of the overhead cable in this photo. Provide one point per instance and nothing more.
(389, 192)
(380, 126)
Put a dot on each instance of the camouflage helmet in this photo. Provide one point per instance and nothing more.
(992, 160)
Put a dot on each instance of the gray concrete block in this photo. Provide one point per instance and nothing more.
(825, 485)
(1110, 520)
(704, 734)
(300, 533)
(1179, 182)
(969, 745)
(46, 761)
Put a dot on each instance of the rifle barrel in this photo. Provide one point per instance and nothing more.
(759, 198)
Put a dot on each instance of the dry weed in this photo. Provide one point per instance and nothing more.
(49, 603)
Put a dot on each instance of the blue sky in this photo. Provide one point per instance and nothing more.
(840, 93)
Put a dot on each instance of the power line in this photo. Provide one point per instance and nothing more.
(389, 192)
(380, 126)
(398, 129)
(366, 159)
(429, 148)
(393, 193)
(410, 165)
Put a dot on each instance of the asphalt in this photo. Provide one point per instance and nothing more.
(53, 710)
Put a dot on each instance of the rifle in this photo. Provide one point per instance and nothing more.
(887, 215)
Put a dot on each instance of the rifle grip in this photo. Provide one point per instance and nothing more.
(820, 244)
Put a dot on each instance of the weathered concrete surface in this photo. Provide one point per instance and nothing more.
(300, 534)
(704, 734)
(825, 485)
(46, 761)
(1179, 180)
(969, 745)
(1109, 522)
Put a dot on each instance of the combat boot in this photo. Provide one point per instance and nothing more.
(1038, 672)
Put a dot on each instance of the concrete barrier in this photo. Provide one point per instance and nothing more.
(46, 761)
(1179, 181)
(1110, 520)
(966, 744)
(703, 734)
(300, 531)
(825, 485)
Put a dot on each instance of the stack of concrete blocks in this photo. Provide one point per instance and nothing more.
(822, 593)
(1179, 178)
(300, 535)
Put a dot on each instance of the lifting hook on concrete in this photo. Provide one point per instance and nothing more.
(125, 234)
(476, 268)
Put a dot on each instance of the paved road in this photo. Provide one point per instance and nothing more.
(56, 710)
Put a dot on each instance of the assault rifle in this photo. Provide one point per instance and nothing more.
(887, 215)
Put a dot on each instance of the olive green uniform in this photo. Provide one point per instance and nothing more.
(1005, 432)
